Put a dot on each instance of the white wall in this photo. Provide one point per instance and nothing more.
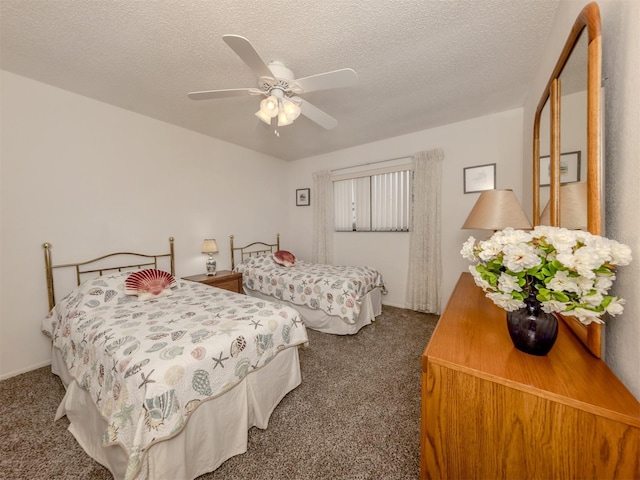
(495, 138)
(621, 75)
(620, 68)
(92, 179)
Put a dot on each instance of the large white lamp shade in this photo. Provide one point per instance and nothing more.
(497, 210)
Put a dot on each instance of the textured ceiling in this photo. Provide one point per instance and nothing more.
(421, 63)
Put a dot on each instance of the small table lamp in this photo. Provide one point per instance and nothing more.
(497, 210)
(210, 247)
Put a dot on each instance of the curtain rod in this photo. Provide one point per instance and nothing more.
(370, 163)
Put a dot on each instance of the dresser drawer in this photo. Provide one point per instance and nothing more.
(234, 285)
(224, 279)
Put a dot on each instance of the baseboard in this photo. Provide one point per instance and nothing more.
(405, 307)
(24, 370)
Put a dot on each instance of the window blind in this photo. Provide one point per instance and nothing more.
(379, 202)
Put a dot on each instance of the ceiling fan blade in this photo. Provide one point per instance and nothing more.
(345, 77)
(234, 92)
(314, 114)
(248, 54)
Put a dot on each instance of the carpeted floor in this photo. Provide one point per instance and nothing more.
(356, 415)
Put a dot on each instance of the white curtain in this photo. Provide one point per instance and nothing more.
(322, 251)
(425, 264)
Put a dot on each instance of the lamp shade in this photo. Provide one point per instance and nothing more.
(287, 113)
(283, 120)
(573, 207)
(496, 210)
(263, 117)
(291, 110)
(210, 246)
(269, 106)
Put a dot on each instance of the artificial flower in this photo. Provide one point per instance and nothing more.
(568, 271)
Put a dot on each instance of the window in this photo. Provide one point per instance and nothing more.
(373, 203)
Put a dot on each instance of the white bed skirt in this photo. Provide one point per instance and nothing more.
(370, 308)
(216, 431)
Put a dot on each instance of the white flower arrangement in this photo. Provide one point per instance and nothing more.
(569, 271)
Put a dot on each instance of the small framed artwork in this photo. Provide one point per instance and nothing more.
(569, 168)
(303, 197)
(480, 178)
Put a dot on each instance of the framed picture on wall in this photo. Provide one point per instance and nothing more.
(570, 164)
(303, 197)
(479, 178)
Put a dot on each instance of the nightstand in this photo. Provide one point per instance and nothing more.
(224, 279)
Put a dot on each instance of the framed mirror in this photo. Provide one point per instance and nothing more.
(567, 145)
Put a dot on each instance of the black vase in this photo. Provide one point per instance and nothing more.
(532, 330)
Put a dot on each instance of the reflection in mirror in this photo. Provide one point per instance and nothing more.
(573, 130)
(573, 207)
(545, 151)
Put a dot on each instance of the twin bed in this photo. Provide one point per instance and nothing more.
(331, 299)
(167, 386)
(164, 377)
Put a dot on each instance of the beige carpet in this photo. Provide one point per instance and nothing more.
(355, 416)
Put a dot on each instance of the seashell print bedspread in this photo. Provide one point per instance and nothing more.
(149, 364)
(336, 290)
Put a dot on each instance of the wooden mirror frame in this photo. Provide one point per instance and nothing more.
(589, 19)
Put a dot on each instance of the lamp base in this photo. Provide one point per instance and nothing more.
(211, 267)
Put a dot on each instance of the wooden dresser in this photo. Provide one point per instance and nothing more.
(490, 411)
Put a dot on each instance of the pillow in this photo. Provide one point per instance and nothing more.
(150, 283)
(284, 258)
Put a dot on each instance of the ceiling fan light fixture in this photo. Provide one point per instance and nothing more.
(269, 106)
(265, 118)
(291, 110)
(288, 112)
(283, 120)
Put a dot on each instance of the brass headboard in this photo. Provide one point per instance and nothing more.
(247, 251)
(86, 268)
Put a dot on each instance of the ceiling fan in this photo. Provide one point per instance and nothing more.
(282, 103)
